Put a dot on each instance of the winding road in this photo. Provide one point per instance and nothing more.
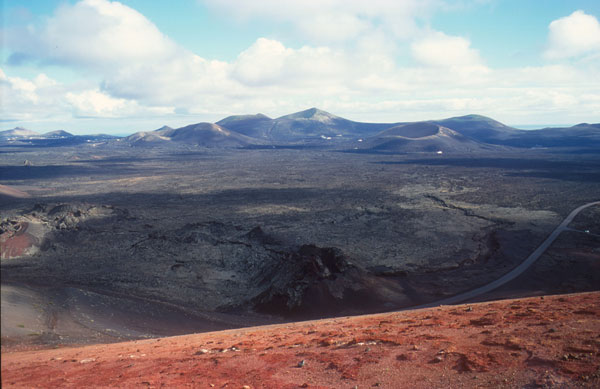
(517, 271)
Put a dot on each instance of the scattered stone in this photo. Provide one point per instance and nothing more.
(437, 359)
(326, 342)
(484, 321)
(201, 351)
(301, 363)
(514, 343)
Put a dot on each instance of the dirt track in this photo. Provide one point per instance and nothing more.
(536, 342)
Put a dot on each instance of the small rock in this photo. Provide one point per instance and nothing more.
(326, 342)
(245, 387)
(201, 351)
(437, 359)
(301, 363)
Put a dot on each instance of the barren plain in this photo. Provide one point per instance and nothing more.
(107, 243)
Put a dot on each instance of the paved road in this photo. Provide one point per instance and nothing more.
(517, 271)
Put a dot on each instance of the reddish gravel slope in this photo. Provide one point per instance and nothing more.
(534, 343)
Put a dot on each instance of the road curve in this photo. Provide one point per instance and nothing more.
(517, 271)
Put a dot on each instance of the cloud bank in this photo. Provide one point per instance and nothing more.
(378, 62)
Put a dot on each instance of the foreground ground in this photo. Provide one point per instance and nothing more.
(540, 342)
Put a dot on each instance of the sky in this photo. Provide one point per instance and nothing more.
(94, 66)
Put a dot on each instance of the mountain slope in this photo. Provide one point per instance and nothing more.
(57, 134)
(18, 133)
(486, 130)
(479, 128)
(316, 125)
(422, 137)
(146, 138)
(199, 134)
(256, 126)
(208, 135)
(582, 135)
(25, 138)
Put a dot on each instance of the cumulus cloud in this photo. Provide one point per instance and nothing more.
(92, 33)
(42, 98)
(439, 49)
(269, 62)
(333, 21)
(134, 59)
(95, 103)
(136, 62)
(24, 99)
(356, 72)
(573, 35)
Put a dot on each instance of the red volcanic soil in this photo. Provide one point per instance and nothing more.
(15, 243)
(541, 342)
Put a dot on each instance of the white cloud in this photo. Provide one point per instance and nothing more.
(330, 21)
(29, 98)
(269, 62)
(573, 35)
(439, 49)
(44, 98)
(134, 59)
(93, 33)
(95, 103)
(355, 73)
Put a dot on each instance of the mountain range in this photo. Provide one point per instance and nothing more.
(317, 128)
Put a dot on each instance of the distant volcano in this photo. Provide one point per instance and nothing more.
(422, 137)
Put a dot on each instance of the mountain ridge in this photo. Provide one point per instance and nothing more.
(315, 127)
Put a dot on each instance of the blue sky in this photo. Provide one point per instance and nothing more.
(119, 67)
